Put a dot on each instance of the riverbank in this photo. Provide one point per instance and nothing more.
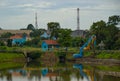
(12, 57)
(8, 54)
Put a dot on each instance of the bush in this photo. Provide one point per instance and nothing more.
(2, 43)
(3, 48)
(34, 55)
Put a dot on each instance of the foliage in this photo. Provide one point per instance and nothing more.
(3, 47)
(35, 54)
(9, 42)
(30, 27)
(6, 35)
(109, 55)
(34, 42)
(2, 43)
(37, 32)
(107, 32)
(65, 37)
(53, 26)
(77, 41)
(114, 20)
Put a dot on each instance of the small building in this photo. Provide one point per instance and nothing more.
(18, 39)
(49, 44)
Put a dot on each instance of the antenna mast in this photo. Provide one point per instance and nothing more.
(36, 24)
(78, 20)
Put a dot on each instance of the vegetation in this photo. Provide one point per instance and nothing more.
(6, 35)
(7, 57)
(104, 54)
(109, 55)
(104, 31)
(9, 65)
(107, 32)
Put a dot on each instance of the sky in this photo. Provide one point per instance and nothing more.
(17, 14)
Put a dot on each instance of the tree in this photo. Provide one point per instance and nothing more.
(53, 26)
(37, 32)
(6, 35)
(106, 32)
(64, 37)
(30, 27)
(114, 20)
(77, 41)
(99, 29)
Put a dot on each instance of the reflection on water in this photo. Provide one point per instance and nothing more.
(36, 71)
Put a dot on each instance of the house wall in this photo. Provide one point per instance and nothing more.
(18, 41)
(44, 46)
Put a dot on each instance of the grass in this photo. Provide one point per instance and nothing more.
(101, 54)
(9, 65)
(108, 68)
(108, 55)
(9, 56)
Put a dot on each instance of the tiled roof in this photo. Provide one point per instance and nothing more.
(16, 37)
(51, 42)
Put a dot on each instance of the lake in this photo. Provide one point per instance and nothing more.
(51, 71)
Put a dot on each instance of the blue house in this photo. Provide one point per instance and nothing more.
(18, 39)
(49, 44)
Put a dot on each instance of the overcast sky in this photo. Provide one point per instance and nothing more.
(16, 14)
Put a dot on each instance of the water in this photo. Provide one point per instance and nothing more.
(45, 71)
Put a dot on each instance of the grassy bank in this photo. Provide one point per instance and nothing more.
(10, 57)
(100, 54)
(8, 65)
(104, 54)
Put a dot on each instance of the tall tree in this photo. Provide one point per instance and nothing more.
(30, 27)
(53, 26)
(106, 32)
(65, 37)
(98, 28)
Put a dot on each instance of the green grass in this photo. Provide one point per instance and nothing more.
(10, 56)
(110, 55)
(101, 54)
(108, 68)
(8, 65)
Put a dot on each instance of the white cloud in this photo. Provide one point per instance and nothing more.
(24, 5)
(42, 4)
(45, 4)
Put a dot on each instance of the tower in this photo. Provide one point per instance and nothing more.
(36, 24)
(78, 20)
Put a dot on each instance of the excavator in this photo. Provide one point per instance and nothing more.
(87, 46)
